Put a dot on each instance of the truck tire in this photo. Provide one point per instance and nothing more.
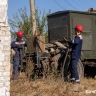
(80, 69)
(66, 72)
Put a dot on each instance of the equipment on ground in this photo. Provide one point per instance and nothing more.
(43, 58)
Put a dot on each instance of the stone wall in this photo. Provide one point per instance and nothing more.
(4, 50)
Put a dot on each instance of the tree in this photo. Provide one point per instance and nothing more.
(22, 21)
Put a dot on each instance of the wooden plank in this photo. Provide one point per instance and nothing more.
(42, 45)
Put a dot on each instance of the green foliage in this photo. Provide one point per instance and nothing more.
(22, 21)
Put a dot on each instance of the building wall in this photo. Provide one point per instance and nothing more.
(4, 50)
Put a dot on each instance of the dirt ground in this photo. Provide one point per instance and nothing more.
(52, 87)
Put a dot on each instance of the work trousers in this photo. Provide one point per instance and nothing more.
(15, 66)
(74, 69)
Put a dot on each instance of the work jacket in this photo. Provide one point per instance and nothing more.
(19, 47)
(76, 47)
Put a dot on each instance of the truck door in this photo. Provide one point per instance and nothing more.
(87, 32)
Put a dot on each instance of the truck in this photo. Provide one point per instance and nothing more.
(42, 58)
(62, 23)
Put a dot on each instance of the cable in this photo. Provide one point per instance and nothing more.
(86, 2)
(78, 4)
(59, 4)
(83, 3)
(70, 4)
(89, 3)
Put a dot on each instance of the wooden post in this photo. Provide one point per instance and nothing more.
(32, 11)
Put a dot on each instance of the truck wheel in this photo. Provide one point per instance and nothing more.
(66, 71)
(80, 69)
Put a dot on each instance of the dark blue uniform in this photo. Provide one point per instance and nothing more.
(75, 56)
(17, 46)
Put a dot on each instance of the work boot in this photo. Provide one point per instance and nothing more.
(15, 78)
(73, 80)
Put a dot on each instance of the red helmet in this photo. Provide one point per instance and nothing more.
(79, 28)
(20, 33)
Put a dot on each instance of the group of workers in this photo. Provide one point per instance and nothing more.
(19, 44)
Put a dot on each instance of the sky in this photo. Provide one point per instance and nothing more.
(54, 5)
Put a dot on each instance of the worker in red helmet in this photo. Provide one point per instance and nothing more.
(20, 34)
(17, 47)
(76, 53)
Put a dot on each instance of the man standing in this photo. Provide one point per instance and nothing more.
(76, 53)
(17, 47)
